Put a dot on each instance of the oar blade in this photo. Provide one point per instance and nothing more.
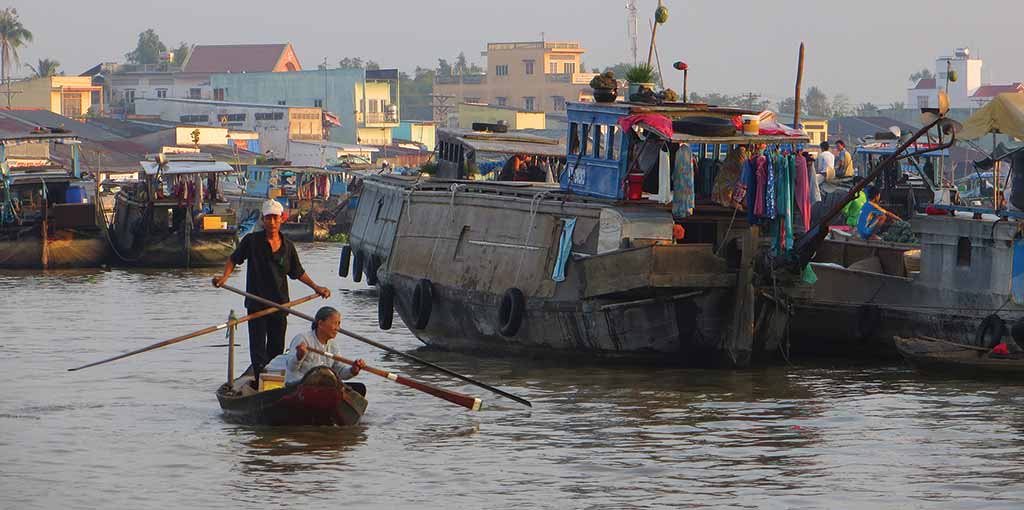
(471, 403)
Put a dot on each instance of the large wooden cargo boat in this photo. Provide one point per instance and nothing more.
(50, 214)
(174, 216)
(590, 267)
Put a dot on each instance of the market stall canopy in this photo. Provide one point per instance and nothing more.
(1004, 114)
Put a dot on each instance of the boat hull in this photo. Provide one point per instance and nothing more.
(948, 359)
(319, 399)
(145, 240)
(67, 249)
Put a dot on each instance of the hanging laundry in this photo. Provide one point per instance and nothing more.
(769, 205)
(750, 189)
(730, 179)
(761, 171)
(812, 182)
(801, 191)
(784, 202)
(682, 183)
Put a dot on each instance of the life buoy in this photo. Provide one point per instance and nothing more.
(357, 266)
(386, 307)
(990, 332)
(422, 301)
(346, 256)
(371, 270)
(510, 312)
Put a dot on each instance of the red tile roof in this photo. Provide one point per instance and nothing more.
(925, 83)
(993, 90)
(236, 58)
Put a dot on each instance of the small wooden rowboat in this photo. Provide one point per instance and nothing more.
(319, 399)
(934, 356)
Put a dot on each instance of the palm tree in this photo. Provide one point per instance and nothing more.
(45, 68)
(13, 35)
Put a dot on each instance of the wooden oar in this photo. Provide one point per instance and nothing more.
(381, 346)
(471, 403)
(194, 334)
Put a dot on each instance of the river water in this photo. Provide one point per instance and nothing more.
(146, 432)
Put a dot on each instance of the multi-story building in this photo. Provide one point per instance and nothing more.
(968, 92)
(70, 96)
(365, 102)
(532, 76)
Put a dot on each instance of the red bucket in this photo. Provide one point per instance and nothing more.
(634, 186)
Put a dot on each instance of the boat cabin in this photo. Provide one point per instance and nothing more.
(180, 185)
(466, 154)
(34, 185)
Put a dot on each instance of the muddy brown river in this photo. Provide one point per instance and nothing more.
(146, 432)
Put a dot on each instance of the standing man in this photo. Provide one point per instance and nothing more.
(825, 164)
(271, 258)
(844, 161)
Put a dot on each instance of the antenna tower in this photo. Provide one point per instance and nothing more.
(631, 26)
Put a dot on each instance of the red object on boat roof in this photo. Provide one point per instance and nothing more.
(1001, 349)
(634, 186)
(931, 210)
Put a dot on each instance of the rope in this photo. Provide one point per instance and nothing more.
(455, 187)
(534, 208)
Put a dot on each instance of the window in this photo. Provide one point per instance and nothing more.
(963, 252)
(584, 138)
(372, 105)
(570, 67)
(501, 101)
(269, 116)
(922, 101)
(281, 102)
(474, 100)
(501, 70)
(218, 94)
(161, 93)
(528, 64)
(574, 138)
(233, 117)
(129, 96)
(597, 140)
(558, 103)
(318, 103)
(195, 93)
(613, 148)
(192, 119)
(528, 103)
(553, 67)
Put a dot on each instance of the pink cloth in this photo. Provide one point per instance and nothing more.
(802, 191)
(762, 185)
(661, 123)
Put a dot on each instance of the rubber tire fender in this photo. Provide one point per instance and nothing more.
(422, 302)
(990, 332)
(511, 312)
(346, 258)
(357, 266)
(386, 307)
(371, 269)
(704, 126)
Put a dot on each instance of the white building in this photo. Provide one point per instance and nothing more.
(967, 92)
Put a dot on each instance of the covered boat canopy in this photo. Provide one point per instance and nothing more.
(175, 167)
(504, 143)
(1004, 115)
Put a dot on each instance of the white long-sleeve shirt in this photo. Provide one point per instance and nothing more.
(295, 369)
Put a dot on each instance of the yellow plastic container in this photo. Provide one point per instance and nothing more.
(271, 381)
(751, 124)
(273, 193)
(211, 222)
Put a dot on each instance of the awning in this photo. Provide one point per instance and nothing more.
(1004, 115)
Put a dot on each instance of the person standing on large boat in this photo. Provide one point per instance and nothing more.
(844, 161)
(321, 337)
(271, 258)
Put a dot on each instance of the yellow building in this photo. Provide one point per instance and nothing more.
(816, 129)
(376, 111)
(70, 96)
(514, 118)
(537, 76)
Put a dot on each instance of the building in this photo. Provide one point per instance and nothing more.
(532, 76)
(70, 96)
(816, 129)
(418, 131)
(967, 93)
(365, 102)
(854, 128)
(191, 80)
(514, 118)
(277, 125)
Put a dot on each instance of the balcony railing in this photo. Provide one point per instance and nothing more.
(573, 78)
(468, 79)
(377, 118)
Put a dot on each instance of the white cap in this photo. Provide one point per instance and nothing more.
(272, 207)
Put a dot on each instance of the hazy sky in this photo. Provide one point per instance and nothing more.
(864, 49)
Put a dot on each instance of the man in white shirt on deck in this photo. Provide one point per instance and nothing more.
(826, 163)
(320, 337)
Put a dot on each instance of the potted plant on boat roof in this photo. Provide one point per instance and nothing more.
(640, 76)
(606, 88)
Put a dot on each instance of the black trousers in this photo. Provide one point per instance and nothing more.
(266, 339)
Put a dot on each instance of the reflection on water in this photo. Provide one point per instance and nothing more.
(146, 431)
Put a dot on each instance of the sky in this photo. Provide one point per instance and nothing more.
(865, 49)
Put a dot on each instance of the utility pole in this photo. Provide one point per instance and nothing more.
(631, 27)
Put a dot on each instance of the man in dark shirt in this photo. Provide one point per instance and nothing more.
(272, 258)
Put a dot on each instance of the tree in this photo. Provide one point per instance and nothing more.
(897, 106)
(789, 104)
(461, 64)
(923, 74)
(350, 63)
(621, 68)
(148, 49)
(45, 67)
(371, 65)
(817, 102)
(13, 35)
(181, 53)
(867, 110)
(839, 106)
(443, 68)
(415, 92)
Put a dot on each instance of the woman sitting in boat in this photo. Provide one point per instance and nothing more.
(320, 337)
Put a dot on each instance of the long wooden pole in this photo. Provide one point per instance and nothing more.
(471, 403)
(231, 350)
(361, 338)
(211, 329)
(799, 84)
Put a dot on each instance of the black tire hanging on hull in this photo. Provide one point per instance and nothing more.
(357, 266)
(422, 302)
(511, 311)
(991, 331)
(386, 307)
(371, 270)
(346, 257)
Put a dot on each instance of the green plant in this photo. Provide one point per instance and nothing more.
(640, 73)
(340, 237)
(605, 80)
(669, 95)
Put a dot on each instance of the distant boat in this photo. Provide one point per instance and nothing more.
(49, 215)
(950, 359)
(175, 215)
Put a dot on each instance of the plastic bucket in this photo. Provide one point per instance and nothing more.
(751, 124)
(74, 195)
(634, 187)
